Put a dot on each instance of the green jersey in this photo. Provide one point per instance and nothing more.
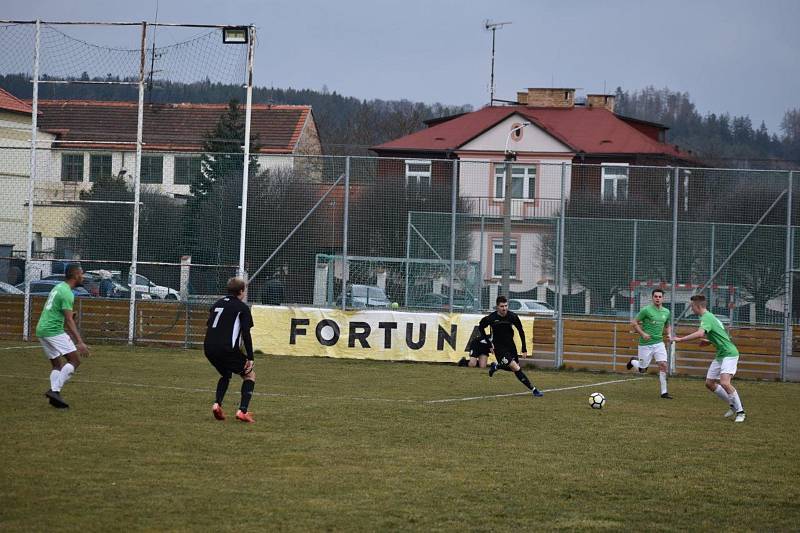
(653, 321)
(51, 323)
(716, 334)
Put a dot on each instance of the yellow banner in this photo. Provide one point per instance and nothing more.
(380, 334)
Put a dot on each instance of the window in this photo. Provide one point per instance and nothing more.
(614, 182)
(72, 167)
(152, 169)
(99, 166)
(514, 305)
(186, 170)
(418, 174)
(497, 254)
(65, 247)
(523, 181)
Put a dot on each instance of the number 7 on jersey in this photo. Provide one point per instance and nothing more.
(217, 310)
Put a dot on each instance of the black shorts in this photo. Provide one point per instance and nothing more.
(504, 359)
(226, 362)
(478, 348)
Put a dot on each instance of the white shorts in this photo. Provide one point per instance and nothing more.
(726, 366)
(647, 352)
(57, 345)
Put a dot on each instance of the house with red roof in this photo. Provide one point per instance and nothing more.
(16, 117)
(606, 158)
(95, 138)
(81, 140)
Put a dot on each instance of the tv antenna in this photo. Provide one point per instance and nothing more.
(153, 57)
(493, 26)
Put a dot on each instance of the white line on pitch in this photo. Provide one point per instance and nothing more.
(187, 389)
(312, 397)
(22, 347)
(526, 393)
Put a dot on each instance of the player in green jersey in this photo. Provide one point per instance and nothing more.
(650, 324)
(55, 341)
(723, 367)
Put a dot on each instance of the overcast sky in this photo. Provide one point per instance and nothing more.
(739, 56)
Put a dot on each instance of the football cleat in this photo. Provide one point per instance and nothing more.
(216, 410)
(740, 416)
(245, 417)
(56, 400)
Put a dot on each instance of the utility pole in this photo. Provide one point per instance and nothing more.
(489, 25)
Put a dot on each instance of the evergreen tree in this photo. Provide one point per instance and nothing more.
(213, 215)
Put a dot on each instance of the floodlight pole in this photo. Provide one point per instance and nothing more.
(509, 156)
(29, 245)
(505, 285)
(137, 186)
(246, 170)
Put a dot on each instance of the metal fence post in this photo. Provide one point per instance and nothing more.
(137, 188)
(559, 356)
(26, 314)
(673, 292)
(453, 207)
(480, 266)
(408, 257)
(345, 266)
(711, 267)
(633, 265)
(789, 278)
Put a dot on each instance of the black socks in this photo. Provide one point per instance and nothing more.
(247, 393)
(523, 378)
(222, 388)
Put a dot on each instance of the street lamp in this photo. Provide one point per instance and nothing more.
(505, 285)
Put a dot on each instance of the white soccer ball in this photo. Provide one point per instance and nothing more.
(597, 400)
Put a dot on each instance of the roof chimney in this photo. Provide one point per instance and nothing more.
(550, 97)
(600, 100)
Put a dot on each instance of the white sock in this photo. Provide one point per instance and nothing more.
(55, 380)
(662, 378)
(66, 373)
(735, 401)
(719, 391)
(635, 363)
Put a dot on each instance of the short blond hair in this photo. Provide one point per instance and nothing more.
(235, 286)
(699, 299)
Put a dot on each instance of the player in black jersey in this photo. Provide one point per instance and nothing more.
(502, 323)
(228, 328)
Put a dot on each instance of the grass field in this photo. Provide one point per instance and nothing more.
(357, 446)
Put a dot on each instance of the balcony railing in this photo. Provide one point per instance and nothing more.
(520, 209)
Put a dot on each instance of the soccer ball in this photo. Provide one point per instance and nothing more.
(597, 400)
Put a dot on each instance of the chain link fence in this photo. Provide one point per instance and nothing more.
(160, 218)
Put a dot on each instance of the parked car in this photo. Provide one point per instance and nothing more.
(43, 287)
(119, 289)
(362, 296)
(145, 286)
(7, 288)
(442, 302)
(523, 306)
(90, 282)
